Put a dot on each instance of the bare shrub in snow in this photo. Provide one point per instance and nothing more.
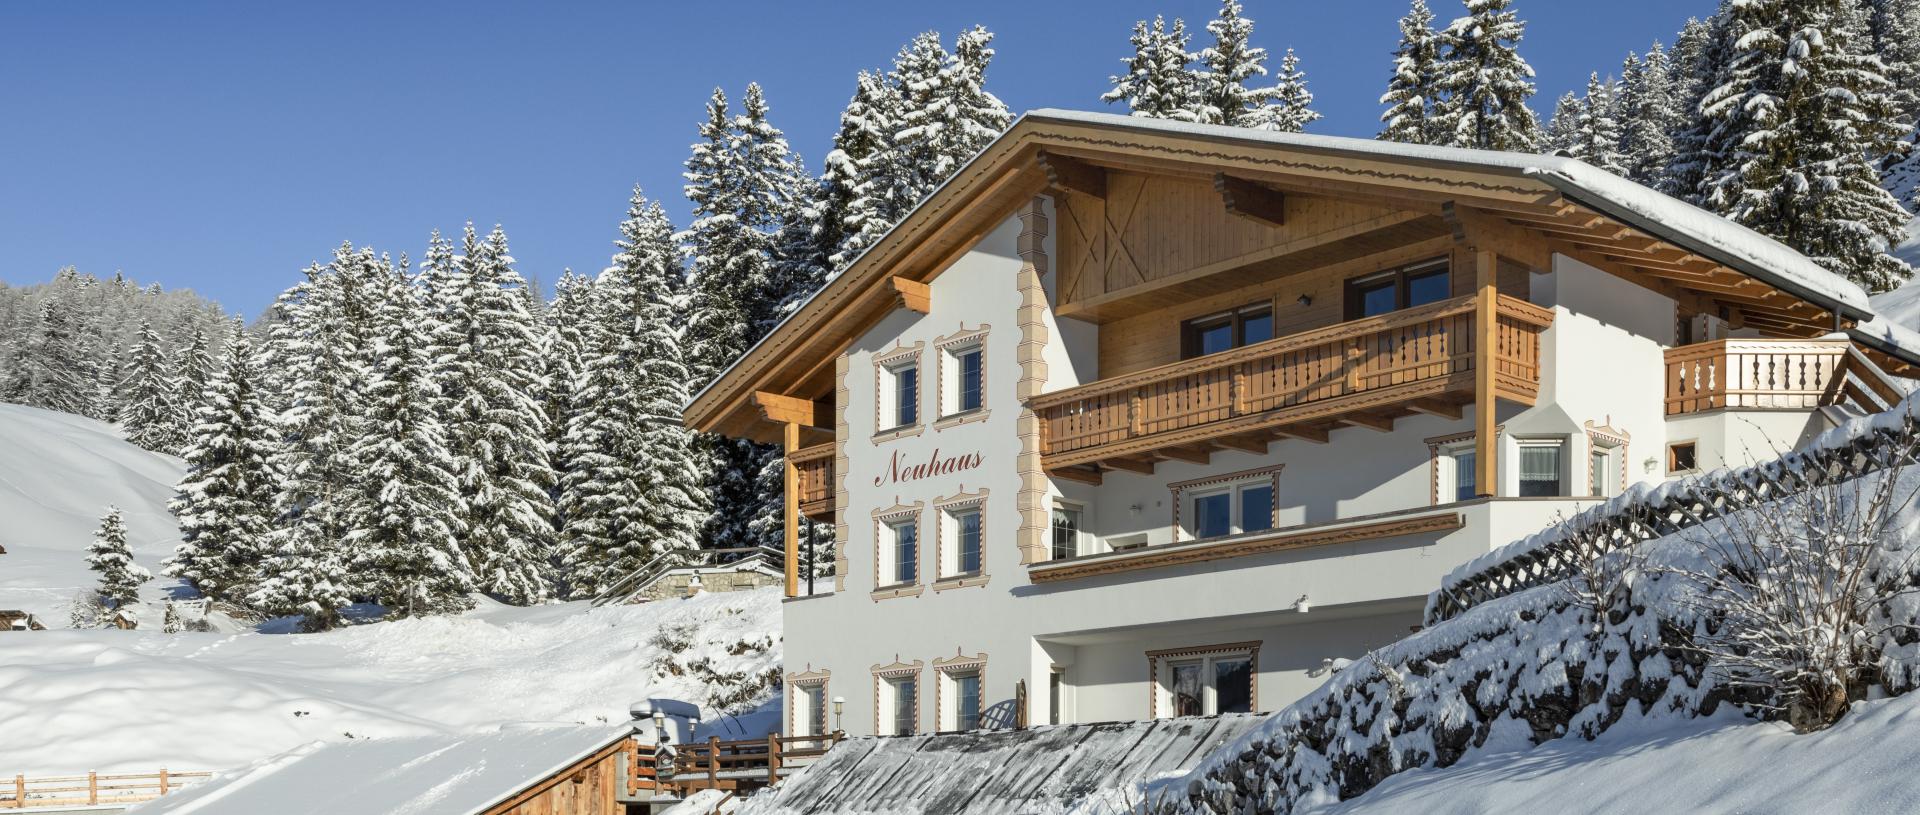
(1796, 595)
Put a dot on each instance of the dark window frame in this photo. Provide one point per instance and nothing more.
(1236, 319)
(1397, 277)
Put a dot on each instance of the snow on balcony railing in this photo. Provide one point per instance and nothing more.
(1645, 511)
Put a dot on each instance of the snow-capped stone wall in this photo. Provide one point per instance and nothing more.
(1571, 654)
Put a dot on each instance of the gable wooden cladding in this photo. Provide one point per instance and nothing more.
(1156, 235)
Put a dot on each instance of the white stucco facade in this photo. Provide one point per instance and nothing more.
(1108, 637)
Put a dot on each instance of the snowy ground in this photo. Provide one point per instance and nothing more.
(80, 700)
(58, 473)
(72, 701)
(1725, 764)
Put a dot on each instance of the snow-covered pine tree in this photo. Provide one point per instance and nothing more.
(848, 218)
(1413, 88)
(149, 414)
(1563, 130)
(1596, 133)
(307, 570)
(1157, 84)
(1222, 90)
(120, 577)
(1701, 56)
(634, 491)
(1485, 82)
(1649, 114)
(742, 180)
(192, 372)
(403, 519)
(486, 352)
(1893, 27)
(1800, 122)
(224, 502)
(1291, 107)
(945, 121)
(57, 366)
(563, 361)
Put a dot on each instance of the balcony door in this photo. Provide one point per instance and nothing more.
(1395, 289)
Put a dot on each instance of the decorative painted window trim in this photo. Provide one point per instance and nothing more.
(943, 348)
(898, 670)
(1608, 436)
(1180, 488)
(942, 506)
(943, 672)
(1434, 445)
(797, 681)
(884, 520)
(883, 366)
(1154, 658)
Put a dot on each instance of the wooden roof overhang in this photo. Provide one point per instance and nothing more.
(1520, 215)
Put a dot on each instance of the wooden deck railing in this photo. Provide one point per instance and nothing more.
(1759, 373)
(92, 789)
(1428, 345)
(744, 764)
(815, 465)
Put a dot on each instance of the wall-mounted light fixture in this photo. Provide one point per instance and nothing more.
(1302, 605)
(839, 702)
(1305, 300)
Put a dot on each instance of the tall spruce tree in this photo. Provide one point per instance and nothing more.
(120, 577)
(1799, 123)
(486, 352)
(1231, 62)
(1649, 115)
(192, 373)
(634, 491)
(1157, 84)
(58, 365)
(224, 502)
(1414, 86)
(404, 519)
(1701, 60)
(1291, 108)
(1563, 129)
(1595, 135)
(149, 412)
(1485, 81)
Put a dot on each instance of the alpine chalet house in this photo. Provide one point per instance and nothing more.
(1135, 419)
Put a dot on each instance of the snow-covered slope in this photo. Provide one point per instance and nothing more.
(106, 699)
(1902, 305)
(58, 473)
(1724, 764)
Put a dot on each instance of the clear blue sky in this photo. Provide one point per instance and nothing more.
(223, 146)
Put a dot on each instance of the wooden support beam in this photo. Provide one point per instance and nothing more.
(1143, 466)
(1187, 454)
(782, 409)
(790, 507)
(1073, 175)
(1250, 200)
(1317, 435)
(1478, 230)
(1436, 407)
(1486, 267)
(914, 295)
(1245, 444)
(1370, 421)
(1084, 475)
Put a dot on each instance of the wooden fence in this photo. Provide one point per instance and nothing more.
(1762, 373)
(92, 789)
(747, 764)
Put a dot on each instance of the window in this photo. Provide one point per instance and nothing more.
(1682, 457)
(811, 718)
(1220, 332)
(906, 395)
(962, 540)
(1462, 464)
(1406, 287)
(904, 693)
(1603, 470)
(964, 384)
(1207, 684)
(965, 711)
(1066, 531)
(1540, 468)
(906, 550)
(1056, 695)
(1233, 509)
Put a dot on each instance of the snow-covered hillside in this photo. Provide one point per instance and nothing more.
(108, 699)
(1727, 763)
(58, 473)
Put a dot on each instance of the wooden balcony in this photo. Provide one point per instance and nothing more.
(815, 466)
(1756, 373)
(1363, 373)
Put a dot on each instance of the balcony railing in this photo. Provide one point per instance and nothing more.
(815, 465)
(1377, 364)
(1794, 374)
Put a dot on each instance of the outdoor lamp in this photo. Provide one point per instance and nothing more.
(839, 702)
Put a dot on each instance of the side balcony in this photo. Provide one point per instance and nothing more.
(1363, 373)
(1774, 374)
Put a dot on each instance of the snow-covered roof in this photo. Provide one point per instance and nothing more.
(1039, 769)
(442, 774)
(1670, 219)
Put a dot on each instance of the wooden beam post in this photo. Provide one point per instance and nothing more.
(1072, 175)
(1251, 200)
(914, 295)
(790, 507)
(1486, 476)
